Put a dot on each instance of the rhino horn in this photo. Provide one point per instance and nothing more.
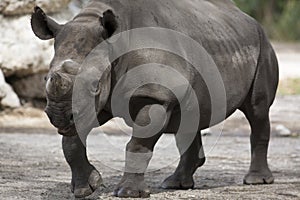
(58, 84)
(70, 67)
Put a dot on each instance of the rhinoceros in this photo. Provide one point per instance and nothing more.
(229, 41)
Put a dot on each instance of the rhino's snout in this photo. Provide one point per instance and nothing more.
(63, 122)
(59, 80)
(58, 84)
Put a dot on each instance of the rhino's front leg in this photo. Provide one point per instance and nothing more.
(146, 131)
(85, 178)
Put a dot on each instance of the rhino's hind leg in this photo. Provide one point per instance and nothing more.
(190, 160)
(259, 172)
(256, 108)
(85, 178)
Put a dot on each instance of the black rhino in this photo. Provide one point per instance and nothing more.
(235, 42)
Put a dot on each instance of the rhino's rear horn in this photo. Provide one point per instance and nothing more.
(70, 67)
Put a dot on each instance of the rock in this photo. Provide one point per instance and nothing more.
(8, 98)
(17, 38)
(24, 59)
(30, 87)
(76, 5)
(22, 54)
(17, 7)
(206, 132)
(283, 131)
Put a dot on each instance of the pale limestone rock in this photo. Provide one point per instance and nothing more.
(17, 7)
(24, 59)
(30, 87)
(8, 98)
(283, 131)
(22, 54)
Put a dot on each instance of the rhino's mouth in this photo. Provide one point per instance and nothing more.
(68, 131)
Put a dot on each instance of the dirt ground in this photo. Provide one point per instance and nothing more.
(32, 165)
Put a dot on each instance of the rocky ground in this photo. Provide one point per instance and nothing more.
(33, 166)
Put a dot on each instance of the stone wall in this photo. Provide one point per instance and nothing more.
(24, 59)
(17, 7)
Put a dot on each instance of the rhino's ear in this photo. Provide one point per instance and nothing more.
(109, 22)
(43, 27)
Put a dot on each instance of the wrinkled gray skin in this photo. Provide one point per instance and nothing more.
(236, 43)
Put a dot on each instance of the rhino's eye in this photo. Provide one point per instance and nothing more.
(95, 89)
(95, 84)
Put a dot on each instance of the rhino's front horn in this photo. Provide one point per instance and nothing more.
(58, 84)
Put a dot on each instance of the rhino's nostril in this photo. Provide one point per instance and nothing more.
(75, 113)
(71, 119)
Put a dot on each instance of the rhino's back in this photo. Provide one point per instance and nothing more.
(210, 22)
(218, 25)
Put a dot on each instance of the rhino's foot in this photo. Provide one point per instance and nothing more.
(257, 177)
(178, 181)
(85, 187)
(132, 185)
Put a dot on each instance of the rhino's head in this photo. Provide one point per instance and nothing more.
(72, 43)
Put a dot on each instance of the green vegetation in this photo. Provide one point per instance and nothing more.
(289, 87)
(281, 18)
